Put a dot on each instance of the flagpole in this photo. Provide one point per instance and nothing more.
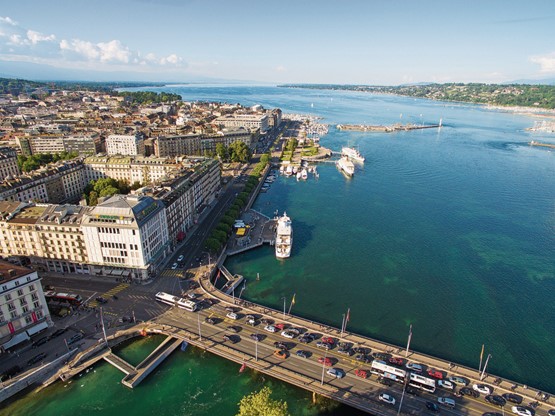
(408, 341)
(484, 369)
(347, 319)
(291, 305)
(342, 325)
(481, 357)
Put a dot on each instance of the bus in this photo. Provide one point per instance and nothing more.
(166, 298)
(422, 383)
(186, 304)
(71, 298)
(387, 371)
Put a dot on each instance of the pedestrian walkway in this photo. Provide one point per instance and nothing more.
(114, 291)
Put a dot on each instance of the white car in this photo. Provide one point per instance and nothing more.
(386, 398)
(232, 315)
(181, 257)
(288, 334)
(446, 384)
(336, 372)
(174, 266)
(458, 380)
(521, 411)
(270, 328)
(482, 388)
(417, 368)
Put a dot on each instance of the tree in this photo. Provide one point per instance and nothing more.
(93, 198)
(221, 151)
(261, 404)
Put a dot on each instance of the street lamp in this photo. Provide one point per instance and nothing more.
(324, 367)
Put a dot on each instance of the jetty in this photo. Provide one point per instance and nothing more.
(540, 144)
(386, 129)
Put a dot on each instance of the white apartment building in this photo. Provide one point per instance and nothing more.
(126, 145)
(126, 236)
(249, 121)
(23, 309)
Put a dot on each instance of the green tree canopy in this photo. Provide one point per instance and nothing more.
(261, 404)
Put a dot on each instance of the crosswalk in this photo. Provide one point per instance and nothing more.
(115, 290)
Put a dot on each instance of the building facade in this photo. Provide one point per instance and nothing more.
(199, 144)
(8, 162)
(23, 308)
(249, 121)
(126, 145)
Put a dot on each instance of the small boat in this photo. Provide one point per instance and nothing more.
(289, 170)
(304, 174)
(299, 176)
(184, 345)
(295, 169)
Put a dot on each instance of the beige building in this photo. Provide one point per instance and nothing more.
(249, 121)
(8, 162)
(145, 170)
(23, 309)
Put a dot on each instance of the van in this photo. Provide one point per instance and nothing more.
(446, 401)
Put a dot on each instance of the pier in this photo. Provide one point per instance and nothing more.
(386, 129)
(540, 144)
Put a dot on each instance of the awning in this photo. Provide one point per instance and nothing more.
(22, 336)
(37, 328)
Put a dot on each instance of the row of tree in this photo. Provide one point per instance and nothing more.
(106, 187)
(219, 236)
(33, 162)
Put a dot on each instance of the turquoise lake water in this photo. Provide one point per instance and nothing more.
(451, 230)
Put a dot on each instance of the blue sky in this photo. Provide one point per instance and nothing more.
(385, 42)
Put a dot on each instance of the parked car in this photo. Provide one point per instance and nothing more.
(482, 388)
(180, 258)
(174, 266)
(386, 398)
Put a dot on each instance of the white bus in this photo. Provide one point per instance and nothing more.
(393, 373)
(422, 383)
(166, 298)
(186, 304)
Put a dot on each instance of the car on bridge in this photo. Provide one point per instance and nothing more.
(323, 345)
(257, 337)
(233, 328)
(467, 391)
(326, 361)
(336, 372)
(328, 340)
(361, 373)
(210, 321)
(417, 368)
(396, 361)
(281, 345)
(482, 388)
(303, 354)
(522, 411)
(270, 328)
(386, 398)
(288, 334)
(446, 384)
(461, 381)
(496, 400)
(283, 354)
(513, 398)
(446, 401)
(432, 406)
(435, 374)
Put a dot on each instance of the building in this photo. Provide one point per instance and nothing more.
(127, 145)
(126, 236)
(8, 162)
(199, 144)
(23, 308)
(57, 183)
(249, 121)
(145, 170)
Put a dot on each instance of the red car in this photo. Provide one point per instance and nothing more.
(435, 374)
(361, 373)
(396, 360)
(328, 340)
(326, 361)
(280, 326)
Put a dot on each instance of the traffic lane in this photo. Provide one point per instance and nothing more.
(351, 382)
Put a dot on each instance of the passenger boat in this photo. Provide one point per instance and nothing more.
(284, 237)
(346, 166)
(352, 154)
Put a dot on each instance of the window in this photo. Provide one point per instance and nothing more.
(28, 319)
(25, 309)
(20, 292)
(36, 305)
(11, 307)
(31, 288)
(8, 297)
(13, 315)
(22, 301)
(34, 296)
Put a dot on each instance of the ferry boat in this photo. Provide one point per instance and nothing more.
(284, 237)
(345, 165)
(352, 154)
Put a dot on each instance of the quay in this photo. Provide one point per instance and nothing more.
(261, 231)
(386, 129)
(540, 144)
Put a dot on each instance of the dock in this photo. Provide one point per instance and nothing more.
(386, 129)
(540, 144)
(261, 231)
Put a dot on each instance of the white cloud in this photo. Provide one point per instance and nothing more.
(281, 68)
(546, 62)
(21, 44)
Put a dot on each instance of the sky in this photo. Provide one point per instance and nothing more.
(379, 42)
